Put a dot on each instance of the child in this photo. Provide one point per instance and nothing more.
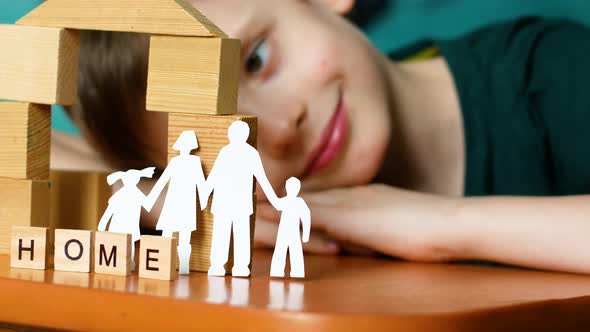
(417, 160)
(124, 209)
(294, 213)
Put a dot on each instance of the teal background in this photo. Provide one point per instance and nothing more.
(404, 22)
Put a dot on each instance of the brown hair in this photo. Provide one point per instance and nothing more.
(112, 86)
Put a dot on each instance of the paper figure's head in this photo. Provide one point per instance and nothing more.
(238, 132)
(293, 186)
(187, 141)
(131, 177)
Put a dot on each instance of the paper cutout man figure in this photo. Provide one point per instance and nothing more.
(289, 235)
(124, 209)
(232, 182)
(184, 175)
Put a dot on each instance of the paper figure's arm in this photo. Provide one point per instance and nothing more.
(265, 184)
(202, 188)
(104, 220)
(305, 221)
(151, 199)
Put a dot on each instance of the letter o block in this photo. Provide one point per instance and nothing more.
(112, 253)
(157, 257)
(73, 250)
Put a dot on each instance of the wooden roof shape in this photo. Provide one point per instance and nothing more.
(160, 17)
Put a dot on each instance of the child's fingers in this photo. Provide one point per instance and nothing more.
(267, 212)
(265, 236)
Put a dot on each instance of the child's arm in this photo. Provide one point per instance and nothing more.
(104, 220)
(152, 197)
(545, 233)
(305, 221)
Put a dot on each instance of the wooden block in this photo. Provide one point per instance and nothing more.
(73, 250)
(167, 17)
(22, 203)
(39, 65)
(193, 75)
(29, 248)
(157, 257)
(212, 135)
(78, 199)
(25, 138)
(112, 253)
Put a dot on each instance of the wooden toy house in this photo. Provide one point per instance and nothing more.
(193, 76)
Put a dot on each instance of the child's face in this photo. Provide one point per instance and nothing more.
(301, 61)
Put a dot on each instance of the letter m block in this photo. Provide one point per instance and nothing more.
(112, 253)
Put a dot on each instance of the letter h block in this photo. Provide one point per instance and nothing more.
(112, 253)
(28, 248)
(157, 257)
(73, 250)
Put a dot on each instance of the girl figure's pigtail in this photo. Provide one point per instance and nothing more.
(111, 179)
(147, 172)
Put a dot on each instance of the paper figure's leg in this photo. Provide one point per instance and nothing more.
(184, 252)
(279, 257)
(133, 255)
(220, 245)
(296, 256)
(167, 234)
(241, 247)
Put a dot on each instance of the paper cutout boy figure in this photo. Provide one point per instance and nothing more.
(124, 209)
(289, 235)
(184, 175)
(232, 182)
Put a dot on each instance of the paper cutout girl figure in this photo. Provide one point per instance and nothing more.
(124, 209)
(184, 175)
(289, 235)
(232, 182)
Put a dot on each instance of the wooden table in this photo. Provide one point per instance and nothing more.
(340, 294)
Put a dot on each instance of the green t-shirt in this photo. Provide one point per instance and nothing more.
(524, 88)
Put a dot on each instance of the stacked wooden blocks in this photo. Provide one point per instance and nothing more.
(38, 67)
(193, 76)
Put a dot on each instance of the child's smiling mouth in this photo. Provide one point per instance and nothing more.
(332, 141)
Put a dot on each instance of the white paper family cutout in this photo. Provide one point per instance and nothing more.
(295, 213)
(124, 208)
(231, 182)
(184, 175)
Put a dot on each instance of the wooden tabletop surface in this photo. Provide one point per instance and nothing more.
(339, 294)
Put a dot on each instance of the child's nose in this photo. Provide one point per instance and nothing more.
(281, 131)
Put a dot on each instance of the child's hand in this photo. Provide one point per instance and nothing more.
(395, 222)
(265, 235)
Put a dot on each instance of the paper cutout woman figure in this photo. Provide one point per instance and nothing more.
(289, 235)
(232, 182)
(124, 209)
(184, 175)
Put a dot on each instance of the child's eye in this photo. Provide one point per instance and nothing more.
(258, 58)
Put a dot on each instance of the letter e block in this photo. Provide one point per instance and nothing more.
(28, 248)
(157, 257)
(112, 253)
(73, 250)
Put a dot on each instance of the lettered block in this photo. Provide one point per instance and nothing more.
(39, 65)
(29, 248)
(193, 75)
(212, 135)
(112, 253)
(73, 250)
(22, 203)
(25, 138)
(157, 257)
